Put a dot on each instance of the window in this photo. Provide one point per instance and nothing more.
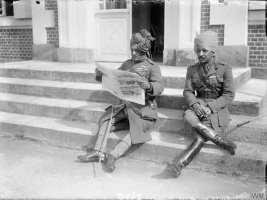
(6, 8)
(112, 4)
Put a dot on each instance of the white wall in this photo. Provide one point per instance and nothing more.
(41, 19)
(234, 17)
(76, 24)
(22, 9)
(182, 21)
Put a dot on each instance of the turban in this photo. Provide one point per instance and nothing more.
(141, 41)
(207, 40)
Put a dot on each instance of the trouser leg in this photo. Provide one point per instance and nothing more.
(94, 155)
(119, 150)
(96, 142)
(122, 147)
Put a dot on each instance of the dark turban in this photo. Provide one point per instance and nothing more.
(141, 41)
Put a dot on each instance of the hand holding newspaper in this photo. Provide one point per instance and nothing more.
(123, 84)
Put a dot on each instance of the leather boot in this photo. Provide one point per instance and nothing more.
(175, 167)
(88, 150)
(216, 138)
(110, 162)
(92, 156)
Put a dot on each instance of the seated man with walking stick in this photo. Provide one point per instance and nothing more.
(209, 88)
(140, 118)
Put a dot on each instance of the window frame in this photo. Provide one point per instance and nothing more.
(105, 10)
(3, 4)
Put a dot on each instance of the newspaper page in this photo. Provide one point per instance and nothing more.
(122, 84)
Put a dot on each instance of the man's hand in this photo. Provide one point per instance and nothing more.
(206, 109)
(199, 109)
(99, 73)
(144, 85)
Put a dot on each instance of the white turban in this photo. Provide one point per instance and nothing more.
(207, 40)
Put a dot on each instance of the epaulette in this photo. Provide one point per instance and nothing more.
(222, 63)
(194, 65)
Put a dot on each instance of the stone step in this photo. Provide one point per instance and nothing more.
(174, 77)
(249, 160)
(171, 121)
(259, 73)
(244, 103)
(250, 91)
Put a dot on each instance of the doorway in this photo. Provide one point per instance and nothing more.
(149, 15)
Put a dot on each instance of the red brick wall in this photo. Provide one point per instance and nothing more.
(257, 41)
(16, 44)
(52, 32)
(205, 22)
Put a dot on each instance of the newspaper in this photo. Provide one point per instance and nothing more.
(122, 84)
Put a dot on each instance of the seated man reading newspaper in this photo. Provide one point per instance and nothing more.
(139, 118)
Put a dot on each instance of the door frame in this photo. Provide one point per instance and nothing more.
(112, 15)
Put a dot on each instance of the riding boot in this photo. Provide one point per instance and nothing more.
(110, 162)
(175, 167)
(94, 156)
(215, 137)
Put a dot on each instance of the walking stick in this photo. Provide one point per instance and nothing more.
(101, 151)
(104, 141)
(243, 123)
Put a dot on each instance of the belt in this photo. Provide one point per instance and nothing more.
(207, 95)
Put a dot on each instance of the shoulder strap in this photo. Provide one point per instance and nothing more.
(209, 86)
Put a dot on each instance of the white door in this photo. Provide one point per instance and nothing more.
(113, 30)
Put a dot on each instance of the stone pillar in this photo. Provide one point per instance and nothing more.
(182, 22)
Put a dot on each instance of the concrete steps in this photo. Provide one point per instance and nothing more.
(244, 104)
(254, 90)
(61, 103)
(250, 159)
(171, 121)
(174, 77)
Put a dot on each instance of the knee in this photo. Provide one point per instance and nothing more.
(190, 118)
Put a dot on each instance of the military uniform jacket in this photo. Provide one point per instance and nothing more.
(221, 78)
(141, 117)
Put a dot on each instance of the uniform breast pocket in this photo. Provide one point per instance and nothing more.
(215, 81)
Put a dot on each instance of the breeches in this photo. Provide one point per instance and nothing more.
(124, 145)
(191, 118)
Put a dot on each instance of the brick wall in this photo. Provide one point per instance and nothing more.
(205, 22)
(257, 41)
(52, 32)
(16, 44)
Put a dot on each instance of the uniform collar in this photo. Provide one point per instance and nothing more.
(212, 70)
